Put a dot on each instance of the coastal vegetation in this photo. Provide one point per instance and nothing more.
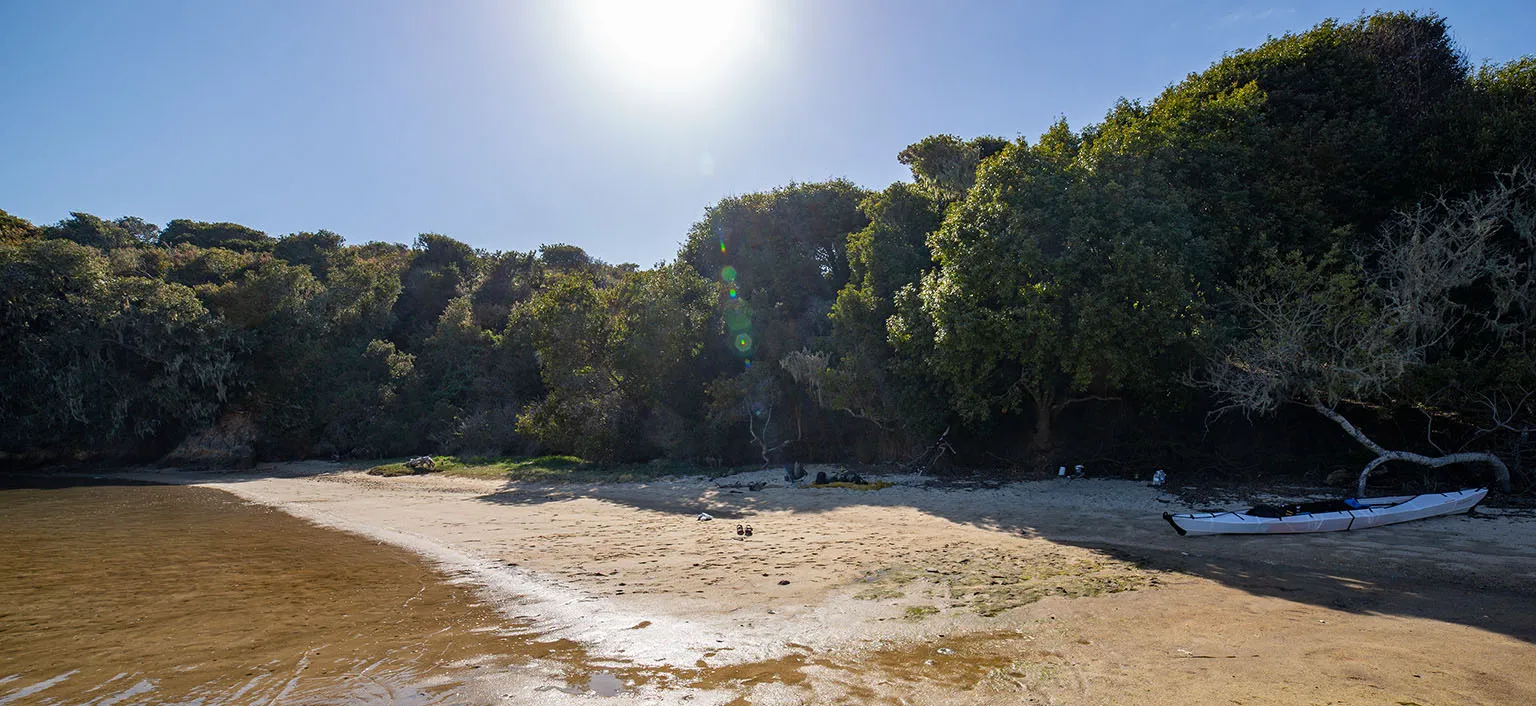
(560, 469)
(1332, 235)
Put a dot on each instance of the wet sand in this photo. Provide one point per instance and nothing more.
(1048, 592)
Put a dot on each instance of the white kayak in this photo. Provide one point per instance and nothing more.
(1362, 513)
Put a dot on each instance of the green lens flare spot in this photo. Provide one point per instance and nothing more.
(743, 342)
(737, 317)
(728, 274)
(733, 292)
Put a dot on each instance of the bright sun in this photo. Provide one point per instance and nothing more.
(669, 44)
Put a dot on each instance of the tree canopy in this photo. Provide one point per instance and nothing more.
(1337, 221)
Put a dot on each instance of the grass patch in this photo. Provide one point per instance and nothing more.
(390, 470)
(553, 469)
(854, 486)
(991, 581)
(918, 612)
(886, 584)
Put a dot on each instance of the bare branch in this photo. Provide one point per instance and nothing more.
(1085, 398)
(814, 372)
(1349, 428)
(1500, 471)
(860, 415)
(1429, 429)
(1326, 332)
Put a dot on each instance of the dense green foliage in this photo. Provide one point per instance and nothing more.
(1142, 266)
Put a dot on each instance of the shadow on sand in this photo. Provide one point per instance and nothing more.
(1439, 569)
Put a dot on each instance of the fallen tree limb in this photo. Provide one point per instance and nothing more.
(1383, 455)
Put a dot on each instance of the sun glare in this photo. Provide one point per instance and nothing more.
(668, 45)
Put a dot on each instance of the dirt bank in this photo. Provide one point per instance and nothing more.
(1048, 592)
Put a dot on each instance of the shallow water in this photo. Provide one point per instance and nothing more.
(126, 594)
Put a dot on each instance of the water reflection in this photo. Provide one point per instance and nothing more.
(605, 684)
(128, 594)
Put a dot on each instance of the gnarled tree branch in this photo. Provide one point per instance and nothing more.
(1383, 455)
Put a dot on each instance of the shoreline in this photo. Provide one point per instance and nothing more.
(1083, 577)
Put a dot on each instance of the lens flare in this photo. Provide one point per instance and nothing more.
(728, 274)
(743, 342)
(738, 319)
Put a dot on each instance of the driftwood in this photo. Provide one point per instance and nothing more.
(1383, 455)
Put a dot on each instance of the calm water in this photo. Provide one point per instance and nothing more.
(124, 594)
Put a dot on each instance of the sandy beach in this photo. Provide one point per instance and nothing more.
(1049, 592)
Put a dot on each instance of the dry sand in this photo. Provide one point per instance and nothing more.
(1053, 592)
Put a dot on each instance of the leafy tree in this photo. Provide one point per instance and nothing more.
(1306, 140)
(510, 278)
(193, 266)
(618, 363)
(944, 166)
(863, 375)
(440, 270)
(139, 262)
(857, 373)
(230, 236)
(786, 248)
(1503, 102)
(274, 306)
(360, 294)
(95, 362)
(312, 250)
(14, 229)
(86, 229)
(564, 258)
(1050, 290)
(357, 378)
(368, 414)
(452, 365)
(779, 259)
(508, 383)
(663, 319)
(755, 396)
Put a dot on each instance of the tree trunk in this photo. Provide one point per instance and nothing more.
(1500, 471)
(1044, 410)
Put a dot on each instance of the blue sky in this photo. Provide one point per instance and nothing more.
(507, 124)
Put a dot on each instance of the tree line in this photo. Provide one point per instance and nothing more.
(1338, 222)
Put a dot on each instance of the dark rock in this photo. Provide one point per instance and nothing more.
(229, 443)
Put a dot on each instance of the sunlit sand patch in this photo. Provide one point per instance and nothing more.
(989, 581)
